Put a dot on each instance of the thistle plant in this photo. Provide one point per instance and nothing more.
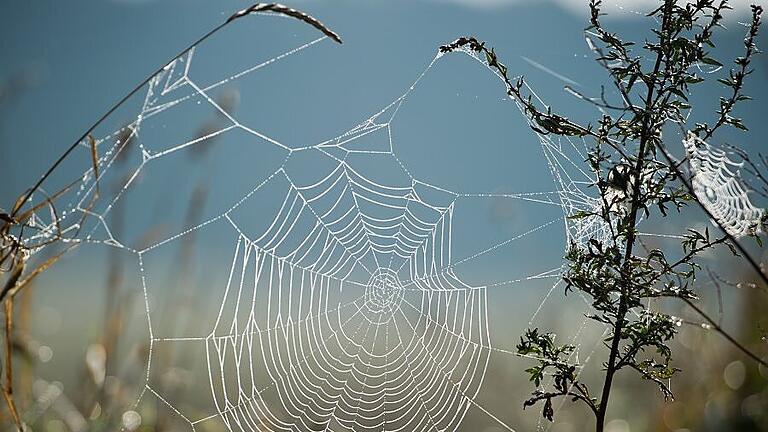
(637, 178)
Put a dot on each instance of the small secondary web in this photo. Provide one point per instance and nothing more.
(718, 186)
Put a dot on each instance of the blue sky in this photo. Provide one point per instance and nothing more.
(68, 62)
(65, 63)
(72, 60)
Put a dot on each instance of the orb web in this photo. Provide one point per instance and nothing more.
(346, 309)
(717, 183)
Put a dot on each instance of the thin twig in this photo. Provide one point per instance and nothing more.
(725, 334)
(8, 385)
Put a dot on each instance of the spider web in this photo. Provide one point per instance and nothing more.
(346, 309)
(718, 186)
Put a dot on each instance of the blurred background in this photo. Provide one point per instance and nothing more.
(82, 342)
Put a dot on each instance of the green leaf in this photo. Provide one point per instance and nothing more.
(710, 61)
(580, 215)
(679, 93)
(726, 82)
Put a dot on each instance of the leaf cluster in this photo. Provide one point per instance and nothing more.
(552, 360)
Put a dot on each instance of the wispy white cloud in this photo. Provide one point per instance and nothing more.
(621, 8)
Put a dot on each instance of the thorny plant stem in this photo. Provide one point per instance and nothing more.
(647, 129)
